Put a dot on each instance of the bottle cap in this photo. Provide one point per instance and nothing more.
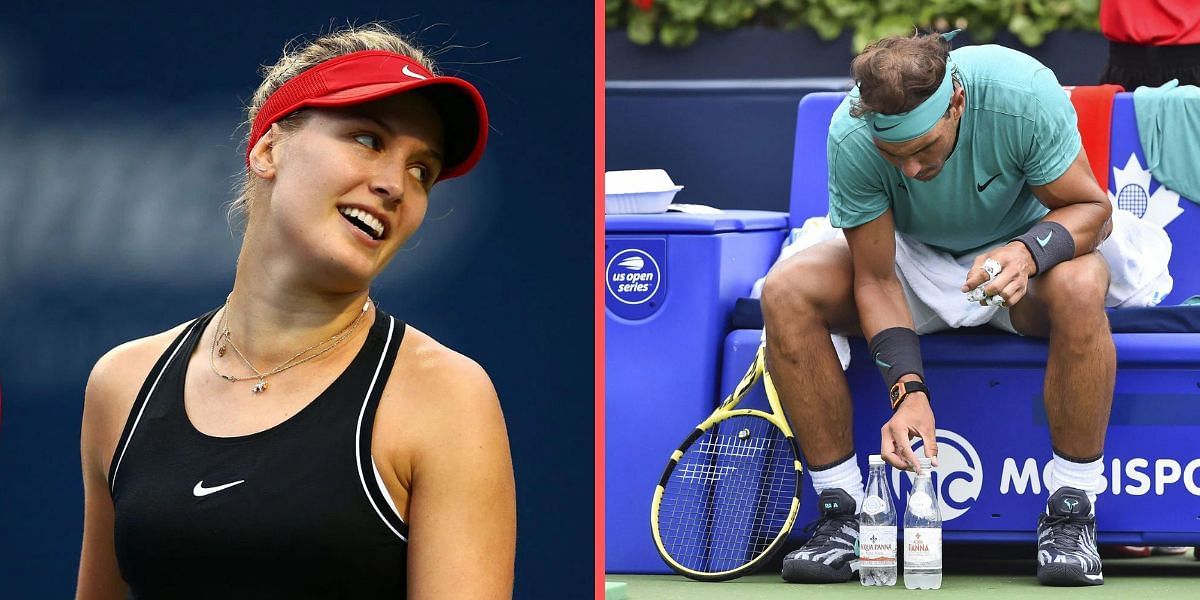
(875, 459)
(926, 464)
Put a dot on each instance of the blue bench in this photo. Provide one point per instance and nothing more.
(993, 438)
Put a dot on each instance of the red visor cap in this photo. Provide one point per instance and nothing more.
(361, 77)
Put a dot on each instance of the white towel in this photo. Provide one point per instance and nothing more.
(936, 278)
(1137, 253)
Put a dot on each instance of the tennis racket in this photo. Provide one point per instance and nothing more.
(731, 492)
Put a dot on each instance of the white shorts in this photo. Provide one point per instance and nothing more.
(927, 320)
(1137, 253)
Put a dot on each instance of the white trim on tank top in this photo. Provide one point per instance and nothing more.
(383, 490)
(358, 437)
(112, 489)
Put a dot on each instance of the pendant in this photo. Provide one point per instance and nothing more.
(261, 386)
(221, 349)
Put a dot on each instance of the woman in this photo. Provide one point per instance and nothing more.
(298, 441)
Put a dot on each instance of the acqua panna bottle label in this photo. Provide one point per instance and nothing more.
(923, 545)
(877, 545)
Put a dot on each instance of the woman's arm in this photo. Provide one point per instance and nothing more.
(462, 518)
(111, 391)
(99, 577)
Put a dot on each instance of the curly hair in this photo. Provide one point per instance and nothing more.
(894, 75)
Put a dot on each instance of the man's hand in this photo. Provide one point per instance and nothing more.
(1016, 267)
(914, 418)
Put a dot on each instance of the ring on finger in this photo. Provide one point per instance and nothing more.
(996, 300)
(992, 267)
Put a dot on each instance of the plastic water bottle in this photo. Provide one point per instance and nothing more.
(923, 534)
(877, 529)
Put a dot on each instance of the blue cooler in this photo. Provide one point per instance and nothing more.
(671, 283)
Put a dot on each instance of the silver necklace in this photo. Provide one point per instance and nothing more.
(223, 339)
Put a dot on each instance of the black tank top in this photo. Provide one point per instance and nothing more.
(295, 511)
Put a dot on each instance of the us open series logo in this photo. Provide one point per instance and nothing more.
(633, 276)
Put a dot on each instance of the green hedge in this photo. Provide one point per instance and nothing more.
(677, 23)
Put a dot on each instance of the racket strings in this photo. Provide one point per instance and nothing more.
(730, 445)
(729, 496)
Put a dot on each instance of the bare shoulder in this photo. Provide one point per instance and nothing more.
(434, 391)
(112, 388)
(439, 378)
(125, 367)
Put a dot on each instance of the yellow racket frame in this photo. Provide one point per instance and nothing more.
(726, 410)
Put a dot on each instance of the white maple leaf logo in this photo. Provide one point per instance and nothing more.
(1133, 194)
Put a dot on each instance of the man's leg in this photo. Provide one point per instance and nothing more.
(1066, 304)
(804, 298)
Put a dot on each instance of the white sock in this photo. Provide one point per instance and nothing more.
(1086, 476)
(844, 475)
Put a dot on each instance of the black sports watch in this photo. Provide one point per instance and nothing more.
(902, 389)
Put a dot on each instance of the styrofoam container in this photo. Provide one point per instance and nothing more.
(642, 191)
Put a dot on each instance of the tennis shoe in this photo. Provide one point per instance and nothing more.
(1067, 554)
(828, 556)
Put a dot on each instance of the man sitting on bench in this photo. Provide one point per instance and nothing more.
(970, 162)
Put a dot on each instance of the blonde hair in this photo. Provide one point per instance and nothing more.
(299, 56)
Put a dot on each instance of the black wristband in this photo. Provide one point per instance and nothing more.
(897, 352)
(1049, 243)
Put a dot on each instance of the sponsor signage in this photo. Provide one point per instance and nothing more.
(961, 481)
(635, 276)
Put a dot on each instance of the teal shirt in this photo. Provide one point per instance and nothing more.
(1018, 130)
